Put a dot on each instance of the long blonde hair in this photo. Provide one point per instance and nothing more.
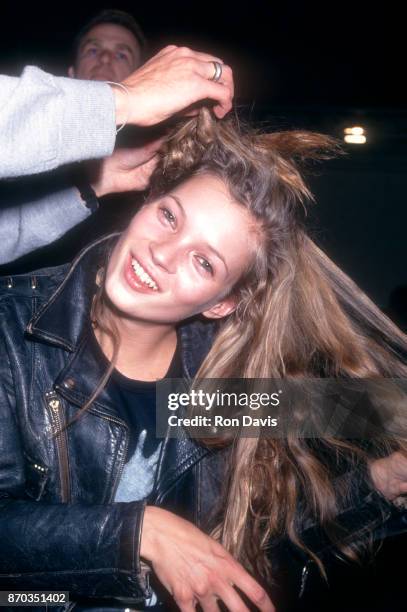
(297, 314)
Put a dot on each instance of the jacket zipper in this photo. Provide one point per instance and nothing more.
(58, 422)
(304, 576)
(123, 459)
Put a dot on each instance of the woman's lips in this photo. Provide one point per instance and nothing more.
(134, 281)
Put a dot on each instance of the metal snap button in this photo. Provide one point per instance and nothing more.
(69, 383)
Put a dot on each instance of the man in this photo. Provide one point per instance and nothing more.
(108, 48)
(47, 121)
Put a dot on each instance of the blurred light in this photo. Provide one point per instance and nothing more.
(356, 131)
(355, 138)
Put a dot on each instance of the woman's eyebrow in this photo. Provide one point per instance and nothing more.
(178, 201)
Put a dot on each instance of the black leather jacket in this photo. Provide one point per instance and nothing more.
(58, 526)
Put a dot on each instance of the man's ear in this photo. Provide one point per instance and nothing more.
(71, 72)
(221, 309)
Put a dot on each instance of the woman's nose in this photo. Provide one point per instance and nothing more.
(164, 255)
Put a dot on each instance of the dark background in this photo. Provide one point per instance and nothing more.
(293, 53)
(296, 64)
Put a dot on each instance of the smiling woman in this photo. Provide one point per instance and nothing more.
(180, 269)
(214, 277)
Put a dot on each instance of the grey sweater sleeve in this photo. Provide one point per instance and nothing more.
(47, 121)
(28, 226)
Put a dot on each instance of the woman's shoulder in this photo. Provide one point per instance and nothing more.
(24, 293)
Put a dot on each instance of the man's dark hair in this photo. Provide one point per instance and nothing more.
(117, 18)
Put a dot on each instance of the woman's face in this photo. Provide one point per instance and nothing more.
(181, 254)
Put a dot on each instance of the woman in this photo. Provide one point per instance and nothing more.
(87, 489)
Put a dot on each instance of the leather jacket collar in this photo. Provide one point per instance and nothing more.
(63, 320)
(63, 317)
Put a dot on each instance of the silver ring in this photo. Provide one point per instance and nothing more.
(218, 71)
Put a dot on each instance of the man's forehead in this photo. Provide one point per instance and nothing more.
(111, 32)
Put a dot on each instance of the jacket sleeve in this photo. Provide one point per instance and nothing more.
(363, 510)
(88, 550)
(47, 121)
(364, 514)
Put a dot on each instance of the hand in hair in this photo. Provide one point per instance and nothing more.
(170, 82)
(125, 170)
(194, 567)
(389, 475)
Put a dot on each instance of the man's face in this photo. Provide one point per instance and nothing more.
(108, 52)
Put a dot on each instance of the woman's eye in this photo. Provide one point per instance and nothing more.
(91, 51)
(204, 263)
(169, 216)
(121, 56)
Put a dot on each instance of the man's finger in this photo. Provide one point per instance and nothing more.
(142, 174)
(221, 94)
(207, 70)
(190, 53)
(163, 51)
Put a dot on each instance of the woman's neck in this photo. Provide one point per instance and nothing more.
(145, 350)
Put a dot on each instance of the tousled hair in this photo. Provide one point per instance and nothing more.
(297, 315)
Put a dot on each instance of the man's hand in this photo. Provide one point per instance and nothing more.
(389, 475)
(125, 170)
(171, 82)
(194, 567)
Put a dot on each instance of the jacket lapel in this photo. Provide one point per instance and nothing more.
(63, 317)
(64, 321)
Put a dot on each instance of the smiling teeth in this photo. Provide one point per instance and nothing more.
(142, 275)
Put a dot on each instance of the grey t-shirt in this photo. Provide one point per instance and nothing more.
(136, 403)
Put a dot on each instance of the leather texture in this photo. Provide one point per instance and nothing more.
(58, 526)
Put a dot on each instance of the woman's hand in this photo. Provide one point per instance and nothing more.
(194, 567)
(389, 475)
